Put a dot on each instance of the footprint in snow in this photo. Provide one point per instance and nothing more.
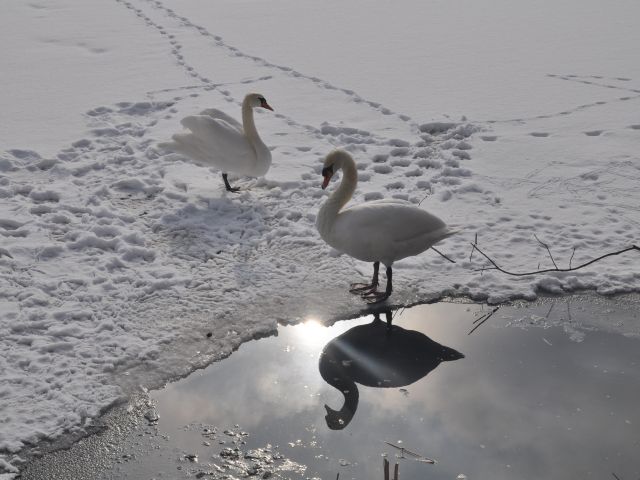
(489, 138)
(382, 168)
(400, 162)
(399, 152)
(539, 134)
(593, 133)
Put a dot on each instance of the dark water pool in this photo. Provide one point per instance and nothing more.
(522, 397)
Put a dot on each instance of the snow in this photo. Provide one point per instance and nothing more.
(505, 119)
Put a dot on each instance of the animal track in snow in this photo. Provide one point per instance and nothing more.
(462, 154)
(580, 79)
(394, 185)
(539, 134)
(382, 168)
(584, 80)
(400, 162)
(593, 133)
(219, 42)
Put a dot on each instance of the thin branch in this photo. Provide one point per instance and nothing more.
(615, 476)
(442, 254)
(398, 311)
(483, 319)
(549, 312)
(570, 269)
(572, 254)
(417, 456)
(548, 251)
(425, 197)
(475, 242)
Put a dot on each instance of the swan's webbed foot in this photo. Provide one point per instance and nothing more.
(228, 186)
(379, 297)
(362, 288)
(375, 297)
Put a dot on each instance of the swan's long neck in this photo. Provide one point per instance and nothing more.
(334, 372)
(249, 125)
(329, 211)
(339, 419)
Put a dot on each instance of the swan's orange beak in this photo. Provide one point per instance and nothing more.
(326, 181)
(264, 104)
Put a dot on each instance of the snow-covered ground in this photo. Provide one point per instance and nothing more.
(507, 119)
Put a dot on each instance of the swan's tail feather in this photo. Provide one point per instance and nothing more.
(189, 145)
(450, 231)
(169, 146)
(440, 234)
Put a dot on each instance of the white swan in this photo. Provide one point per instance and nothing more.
(377, 231)
(217, 140)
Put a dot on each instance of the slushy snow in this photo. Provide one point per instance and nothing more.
(117, 258)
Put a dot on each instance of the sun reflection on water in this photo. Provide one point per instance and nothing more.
(313, 333)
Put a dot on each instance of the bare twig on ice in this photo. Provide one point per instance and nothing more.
(572, 254)
(548, 251)
(475, 242)
(483, 319)
(415, 455)
(495, 266)
(442, 254)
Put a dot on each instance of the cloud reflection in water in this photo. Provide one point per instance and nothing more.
(525, 402)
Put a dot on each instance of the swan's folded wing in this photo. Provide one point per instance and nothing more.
(400, 222)
(222, 142)
(219, 114)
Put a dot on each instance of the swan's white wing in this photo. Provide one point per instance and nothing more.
(219, 114)
(390, 200)
(398, 220)
(214, 142)
(386, 231)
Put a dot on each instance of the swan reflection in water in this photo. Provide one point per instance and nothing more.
(377, 355)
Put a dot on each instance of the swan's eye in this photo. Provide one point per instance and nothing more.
(327, 171)
(262, 99)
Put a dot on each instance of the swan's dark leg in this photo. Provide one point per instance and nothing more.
(226, 184)
(361, 288)
(376, 297)
(389, 318)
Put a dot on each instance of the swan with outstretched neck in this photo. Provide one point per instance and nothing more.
(217, 140)
(380, 231)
